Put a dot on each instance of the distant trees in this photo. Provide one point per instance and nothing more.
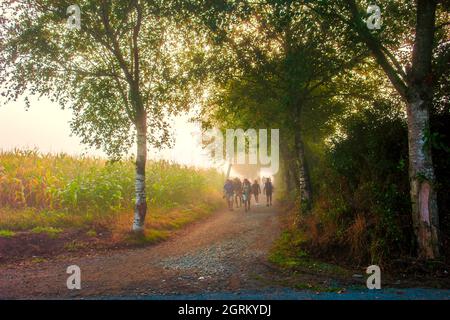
(282, 62)
(296, 52)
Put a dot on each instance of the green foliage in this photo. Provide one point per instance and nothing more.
(150, 236)
(440, 122)
(366, 186)
(7, 233)
(128, 60)
(74, 245)
(49, 231)
(38, 260)
(301, 66)
(91, 233)
(289, 254)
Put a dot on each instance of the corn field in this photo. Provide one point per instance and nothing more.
(62, 183)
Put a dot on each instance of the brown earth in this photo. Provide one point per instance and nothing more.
(223, 252)
(40, 246)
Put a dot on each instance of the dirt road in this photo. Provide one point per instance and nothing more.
(222, 257)
(225, 252)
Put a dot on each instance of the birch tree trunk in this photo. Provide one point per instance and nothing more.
(303, 173)
(140, 209)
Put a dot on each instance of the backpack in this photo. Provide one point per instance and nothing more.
(247, 189)
(228, 188)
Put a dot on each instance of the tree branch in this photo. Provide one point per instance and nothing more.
(377, 50)
(115, 47)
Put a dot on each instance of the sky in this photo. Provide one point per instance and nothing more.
(45, 126)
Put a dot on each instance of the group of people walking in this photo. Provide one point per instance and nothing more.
(237, 192)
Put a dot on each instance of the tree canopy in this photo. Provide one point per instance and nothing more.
(335, 87)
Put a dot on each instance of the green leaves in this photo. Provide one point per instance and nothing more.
(128, 56)
(436, 140)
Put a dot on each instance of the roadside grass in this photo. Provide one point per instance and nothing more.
(288, 254)
(160, 224)
(91, 233)
(148, 237)
(51, 232)
(74, 245)
(38, 260)
(32, 218)
(7, 234)
(303, 272)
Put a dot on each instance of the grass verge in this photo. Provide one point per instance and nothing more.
(7, 234)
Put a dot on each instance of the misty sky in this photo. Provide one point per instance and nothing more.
(45, 126)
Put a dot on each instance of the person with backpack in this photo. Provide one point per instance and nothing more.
(256, 190)
(268, 190)
(246, 194)
(228, 191)
(237, 185)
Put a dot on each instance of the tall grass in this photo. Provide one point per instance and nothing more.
(58, 188)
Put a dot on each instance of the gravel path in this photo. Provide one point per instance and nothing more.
(222, 253)
(222, 257)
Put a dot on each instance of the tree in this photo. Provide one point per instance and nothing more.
(281, 51)
(122, 73)
(413, 78)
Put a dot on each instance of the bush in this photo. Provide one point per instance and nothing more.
(440, 141)
(363, 207)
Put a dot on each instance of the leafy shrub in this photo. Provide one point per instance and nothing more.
(363, 208)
